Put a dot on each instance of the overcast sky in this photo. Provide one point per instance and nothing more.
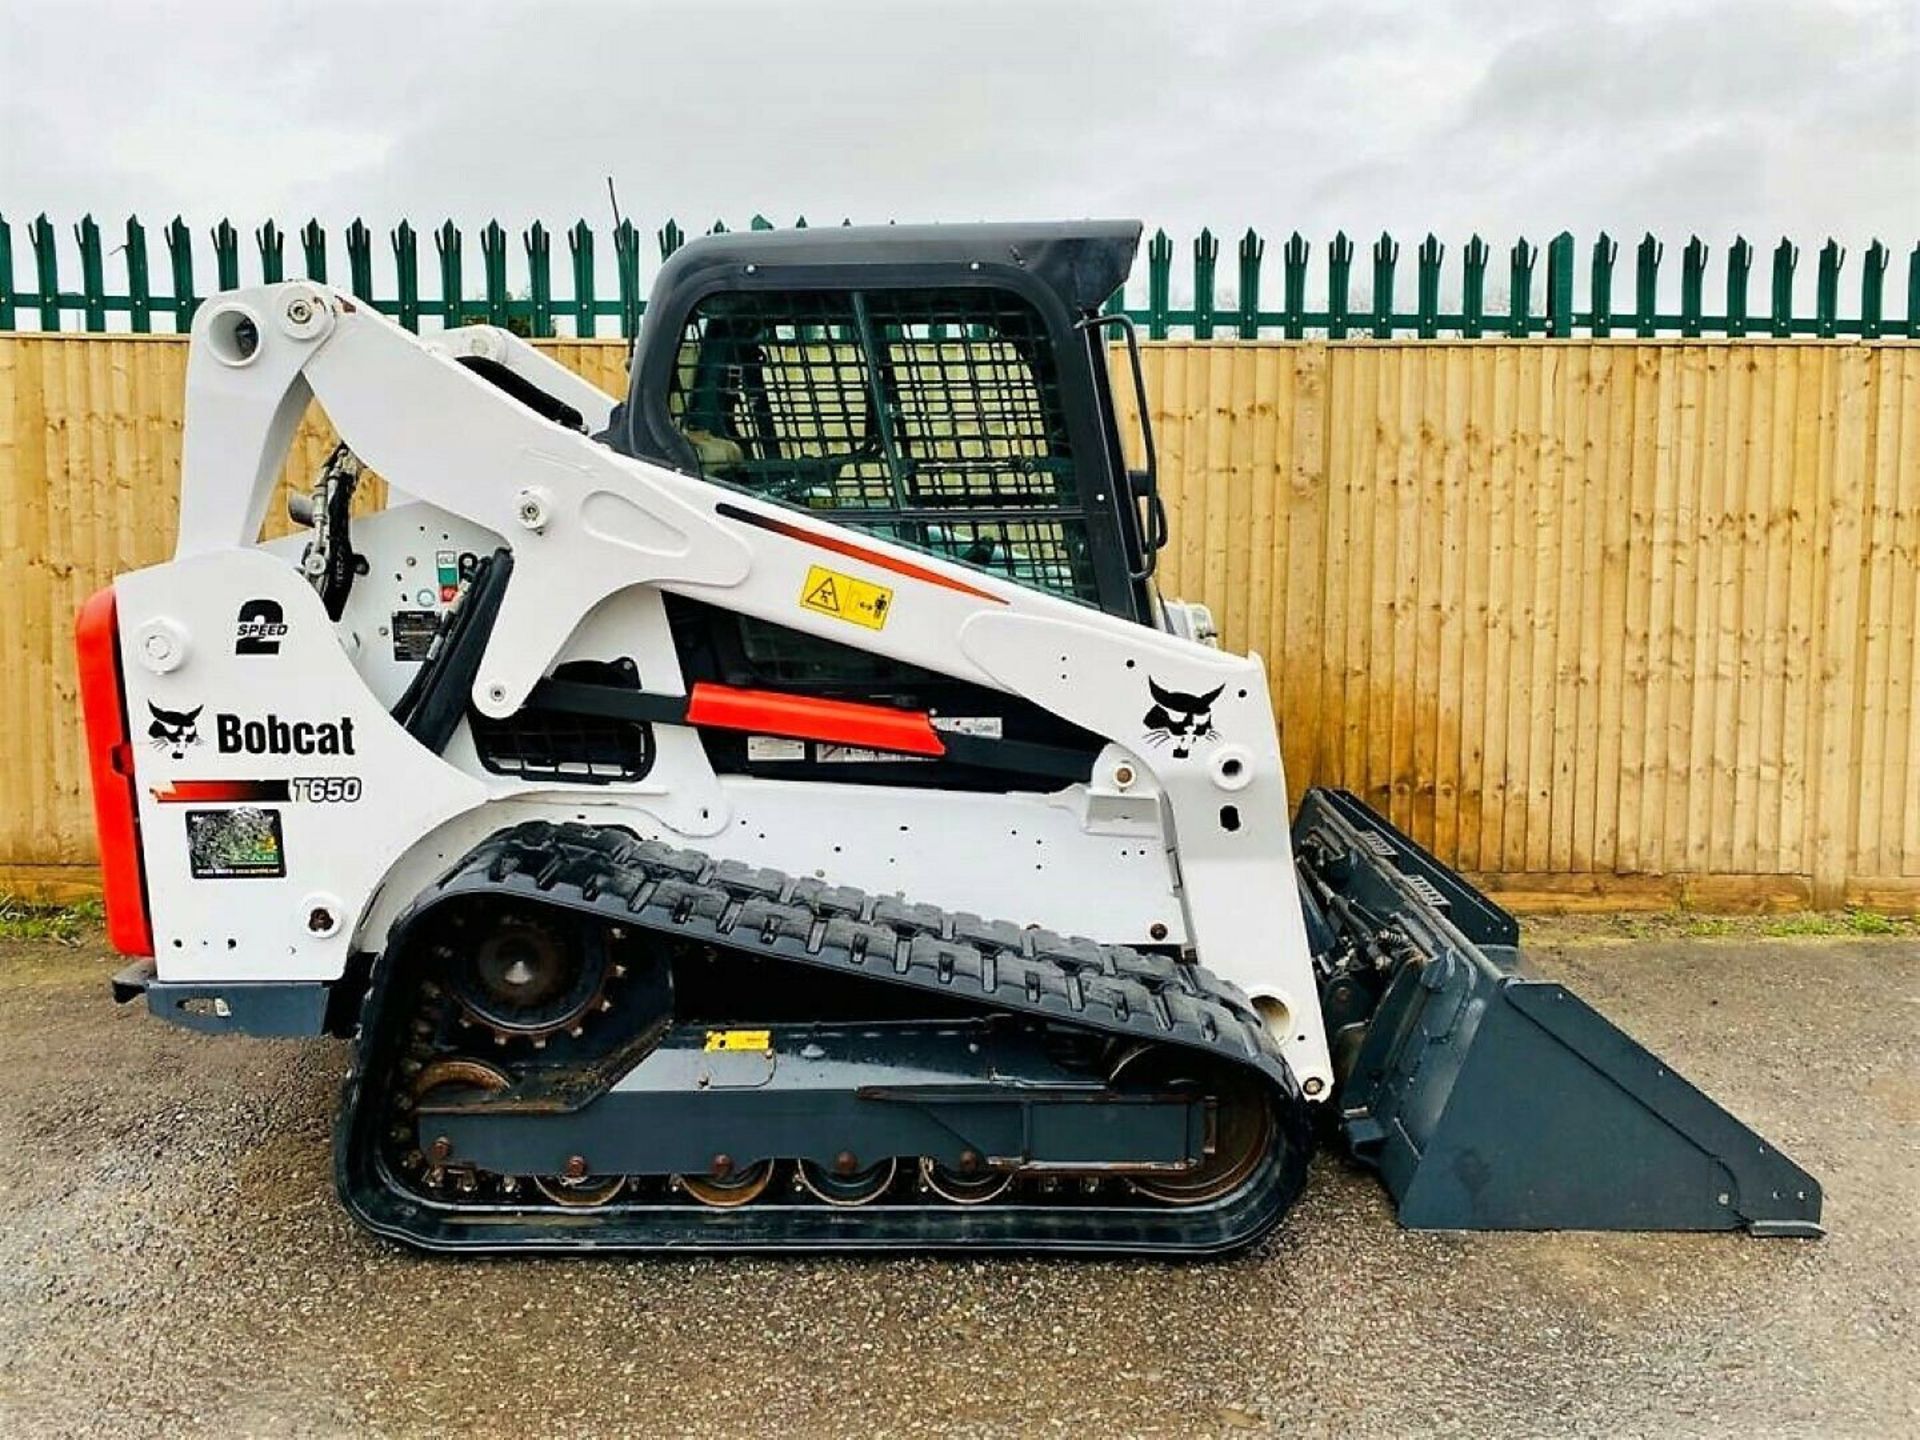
(1764, 117)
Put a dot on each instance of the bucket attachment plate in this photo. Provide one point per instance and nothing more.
(1489, 1100)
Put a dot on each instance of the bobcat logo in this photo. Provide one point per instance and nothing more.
(1185, 720)
(174, 730)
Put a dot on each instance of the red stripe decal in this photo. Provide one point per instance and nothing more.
(855, 552)
(804, 717)
(201, 792)
(110, 762)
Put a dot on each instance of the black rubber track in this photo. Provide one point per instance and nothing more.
(682, 894)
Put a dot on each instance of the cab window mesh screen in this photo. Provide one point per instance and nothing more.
(931, 417)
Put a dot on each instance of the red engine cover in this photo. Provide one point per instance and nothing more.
(116, 816)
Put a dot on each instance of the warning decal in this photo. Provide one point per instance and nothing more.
(739, 1040)
(845, 597)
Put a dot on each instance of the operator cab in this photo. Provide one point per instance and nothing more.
(942, 386)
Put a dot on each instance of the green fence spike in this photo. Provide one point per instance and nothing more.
(1826, 295)
(1872, 282)
(46, 269)
(719, 228)
(626, 256)
(1693, 284)
(1339, 285)
(1739, 267)
(272, 247)
(1520, 261)
(580, 244)
(226, 256)
(539, 246)
(313, 250)
(1293, 285)
(1913, 293)
(1786, 255)
(493, 272)
(1427, 260)
(453, 288)
(1159, 283)
(1560, 285)
(139, 291)
(180, 260)
(406, 274)
(799, 222)
(92, 302)
(360, 259)
(93, 273)
(1646, 284)
(9, 317)
(1606, 250)
(1385, 255)
(1206, 252)
(1473, 288)
(1252, 248)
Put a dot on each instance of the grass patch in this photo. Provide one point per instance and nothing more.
(59, 924)
(1840, 923)
(1696, 925)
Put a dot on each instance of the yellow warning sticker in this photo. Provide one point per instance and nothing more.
(739, 1040)
(846, 597)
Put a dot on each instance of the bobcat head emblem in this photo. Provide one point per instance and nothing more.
(1180, 719)
(174, 730)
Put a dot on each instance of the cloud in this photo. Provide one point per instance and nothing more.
(1456, 116)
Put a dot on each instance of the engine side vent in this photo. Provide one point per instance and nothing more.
(535, 743)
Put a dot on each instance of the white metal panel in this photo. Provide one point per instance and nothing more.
(255, 926)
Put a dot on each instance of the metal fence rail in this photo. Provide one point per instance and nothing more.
(1335, 310)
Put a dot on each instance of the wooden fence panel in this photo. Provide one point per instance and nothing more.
(1602, 622)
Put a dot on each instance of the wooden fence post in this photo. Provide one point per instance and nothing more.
(1844, 489)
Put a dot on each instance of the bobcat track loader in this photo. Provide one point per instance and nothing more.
(778, 812)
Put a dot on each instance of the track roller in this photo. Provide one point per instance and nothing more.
(731, 1187)
(587, 1193)
(849, 1187)
(960, 1188)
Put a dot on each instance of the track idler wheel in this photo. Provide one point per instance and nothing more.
(844, 1185)
(1239, 1136)
(456, 1075)
(448, 1078)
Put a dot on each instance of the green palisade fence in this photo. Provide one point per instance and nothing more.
(42, 302)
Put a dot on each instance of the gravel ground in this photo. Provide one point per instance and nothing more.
(175, 1264)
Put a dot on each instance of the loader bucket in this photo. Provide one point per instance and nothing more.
(1489, 1100)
